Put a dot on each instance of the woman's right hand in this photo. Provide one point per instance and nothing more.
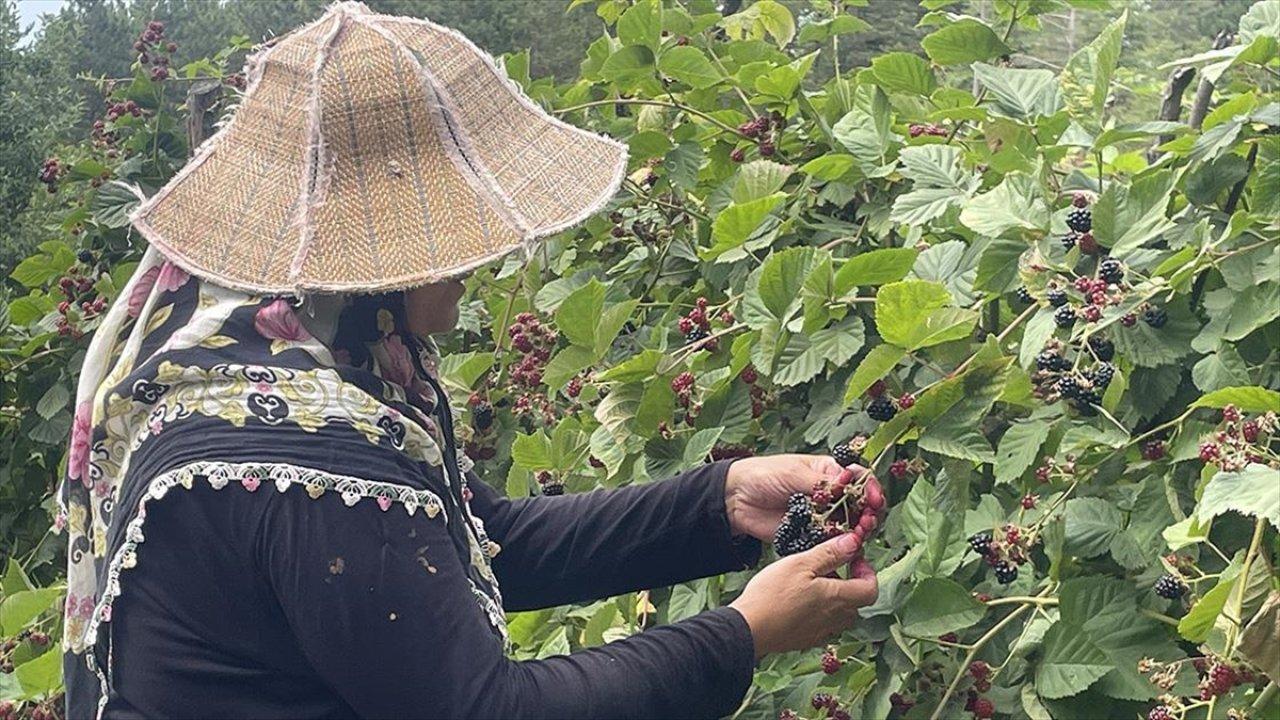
(793, 605)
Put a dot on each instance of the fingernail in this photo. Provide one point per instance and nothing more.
(848, 543)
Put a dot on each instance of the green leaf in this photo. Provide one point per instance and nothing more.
(1253, 491)
(690, 66)
(1086, 79)
(998, 265)
(806, 356)
(687, 600)
(1071, 663)
(1092, 523)
(1131, 131)
(1249, 399)
(936, 166)
(913, 314)
(41, 676)
(1019, 448)
(773, 291)
(733, 225)
(1126, 218)
(54, 400)
(963, 41)
(578, 313)
(759, 179)
(641, 24)
(1019, 94)
(879, 361)
(874, 268)
(23, 606)
(1198, 622)
(532, 452)
(1013, 204)
(938, 606)
(903, 72)
(112, 204)
(628, 66)
(828, 167)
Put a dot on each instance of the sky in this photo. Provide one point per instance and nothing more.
(29, 11)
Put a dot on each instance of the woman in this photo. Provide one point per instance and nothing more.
(266, 509)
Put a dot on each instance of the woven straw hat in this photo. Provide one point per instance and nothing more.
(371, 153)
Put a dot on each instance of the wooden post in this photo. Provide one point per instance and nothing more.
(201, 96)
(1204, 92)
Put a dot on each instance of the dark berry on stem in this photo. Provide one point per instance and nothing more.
(1057, 297)
(1069, 240)
(844, 455)
(1102, 348)
(1024, 296)
(980, 543)
(882, 409)
(1005, 572)
(1080, 220)
(1088, 244)
(1155, 317)
(1111, 270)
(1064, 316)
(1103, 374)
(1170, 587)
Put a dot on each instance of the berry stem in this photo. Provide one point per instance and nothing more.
(1015, 599)
(963, 671)
(1237, 603)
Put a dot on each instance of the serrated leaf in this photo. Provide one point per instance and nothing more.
(938, 606)
(1092, 523)
(874, 268)
(759, 179)
(733, 225)
(22, 607)
(1250, 399)
(806, 356)
(690, 66)
(1198, 622)
(1019, 448)
(879, 361)
(54, 400)
(903, 72)
(1013, 204)
(1071, 663)
(1253, 491)
(828, 167)
(914, 314)
(963, 41)
(1086, 78)
(1017, 93)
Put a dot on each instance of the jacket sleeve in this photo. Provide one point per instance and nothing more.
(582, 546)
(382, 608)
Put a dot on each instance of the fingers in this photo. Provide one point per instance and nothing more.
(860, 569)
(833, 553)
(856, 592)
(824, 465)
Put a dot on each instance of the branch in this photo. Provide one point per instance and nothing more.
(1204, 91)
(658, 103)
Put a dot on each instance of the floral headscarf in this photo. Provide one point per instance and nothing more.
(239, 386)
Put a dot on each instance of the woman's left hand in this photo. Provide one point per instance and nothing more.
(757, 488)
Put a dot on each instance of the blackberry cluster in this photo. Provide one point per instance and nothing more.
(1111, 270)
(1069, 240)
(797, 531)
(535, 341)
(1065, 316)
(1056, 296)
(980, 543)
(1156, 317)
(1005, 572)
(481, 413)
(760, 130)
(1240, 440)
(549, 484)
(845, 456)
(916, 130)
(695, 326)
(1084, 398)
(153, 49)
(1101, 375)
(1050, 361)
(50, 172)
(1080, 220)
(881, 409)
(1170, 587)
(1102, 348)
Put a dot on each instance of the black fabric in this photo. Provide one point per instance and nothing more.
(271, 604)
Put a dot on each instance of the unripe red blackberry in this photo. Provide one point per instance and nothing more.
(766, 149)
(682, 382)
(1080, 200)
(983, 709)
(1128, 319)
(979, 670)
(1091, 313)
(685, 325)
(898, 469)
(1250, 430)
(1160, 712)
(830, 663)
(906, 401)
(749, 374)
(877, 389)
(1153, 450)
(1029, 501)
(1231, 414)
(738, 155)
(1088, 244)
(618, 231)
(1209, 452)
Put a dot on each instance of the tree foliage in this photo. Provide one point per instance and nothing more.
(1075, 341)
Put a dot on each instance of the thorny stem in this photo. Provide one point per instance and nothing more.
(658, 103)
(1237, 617)
(977, 647)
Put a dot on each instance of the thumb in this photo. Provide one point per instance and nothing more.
(826, 557)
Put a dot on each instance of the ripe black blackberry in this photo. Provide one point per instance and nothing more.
(482, 416)
(85, 256)
(1087, 402)
(1069, 240)
(1050, 361)
(1102, 348)
(1068, 387)
(1155, 317)
(695, 335)
(553, 489)
(1080, 220)
(1024, 296)
(1057, 297)
(1170, 587)
(1102, 374)
(844, 455)
(1006, 572)
(1064, 316)
(1111, 270)
(882, 409)
(980, 543)
(797, 532)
